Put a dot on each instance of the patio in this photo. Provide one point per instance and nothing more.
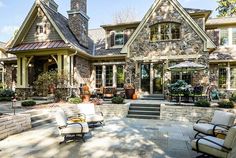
(119, 138)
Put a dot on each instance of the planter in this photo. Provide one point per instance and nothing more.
(85, 98)
(129, 93)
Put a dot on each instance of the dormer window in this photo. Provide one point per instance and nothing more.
(164, 31)
(119, 39)
(40, 29)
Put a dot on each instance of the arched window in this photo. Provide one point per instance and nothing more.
(164, 31)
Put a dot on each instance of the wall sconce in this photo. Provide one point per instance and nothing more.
(49, 60)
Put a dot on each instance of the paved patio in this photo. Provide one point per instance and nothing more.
(120, 138)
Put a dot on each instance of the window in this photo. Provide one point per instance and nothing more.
(175, 76)
(120, 76)
(98, 76)
(224, 37)
(1, 76)
(40, 29)
(234, 36)
(109, 75)
(164, 31)
(233, 77)
(187, 77)
(222, 77)
(119, 38)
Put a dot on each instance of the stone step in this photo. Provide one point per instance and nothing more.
(145, 108)
(138, 112)
(38, 117)
(143, 116)
(145, 105)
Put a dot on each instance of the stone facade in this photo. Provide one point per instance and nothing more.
(189, 45)
(188, 113)
(13, 124)
(113, 110)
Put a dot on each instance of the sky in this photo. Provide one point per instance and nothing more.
(13, 12)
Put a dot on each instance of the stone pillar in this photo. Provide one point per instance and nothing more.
(151, 78)
(114, 76)
(104, 75)
(228, 77)
(93, 78)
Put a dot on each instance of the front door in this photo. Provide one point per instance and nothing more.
(157, 79)
(152, 78)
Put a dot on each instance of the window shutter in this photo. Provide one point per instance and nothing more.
(45, 28)
(37, 30)
(112, 39)
(216, 37)
(126, 37)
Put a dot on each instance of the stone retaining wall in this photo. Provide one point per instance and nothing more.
(13, 124)
(188, 113)
(113, 110)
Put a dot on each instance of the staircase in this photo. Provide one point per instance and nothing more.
(39, 117)
(144, 111)
(153, 97)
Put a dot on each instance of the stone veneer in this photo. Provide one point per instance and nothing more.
(82, 71)
(188, 113)
(113, 110)
(189, 44)
(13, 124)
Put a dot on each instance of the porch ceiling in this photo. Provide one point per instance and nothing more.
(39, 46)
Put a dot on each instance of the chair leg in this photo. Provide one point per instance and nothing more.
(83, 137)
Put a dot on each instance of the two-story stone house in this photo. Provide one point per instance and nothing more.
(137, 52)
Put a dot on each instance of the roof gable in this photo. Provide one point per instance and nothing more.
(208, 44)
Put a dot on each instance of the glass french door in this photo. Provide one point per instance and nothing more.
(157, 79)
(145, 77)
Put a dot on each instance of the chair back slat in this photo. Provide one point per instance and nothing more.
(223, 118)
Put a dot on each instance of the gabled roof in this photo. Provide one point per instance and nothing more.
(59, 22)
(221, 21)
(208, 43)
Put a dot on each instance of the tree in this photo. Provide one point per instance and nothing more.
(125, 15)
(226, 8)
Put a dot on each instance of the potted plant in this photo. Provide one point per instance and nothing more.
(129, 90)
(85, 95)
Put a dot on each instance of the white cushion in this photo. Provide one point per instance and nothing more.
(71, 111)
(94, 118)
(223, 118)
(75, 128)
(61, 118)
(86, 109)
(230, 139)
(210, 148)
(205, 128)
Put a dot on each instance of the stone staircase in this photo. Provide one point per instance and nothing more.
(144, 111)
(39, 117)
(153, 97)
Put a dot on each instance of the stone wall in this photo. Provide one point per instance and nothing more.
(188, 113)
(13, 124)
(113, 110)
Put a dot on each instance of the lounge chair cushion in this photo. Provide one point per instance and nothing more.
(94, 118)
(86, 109)
(210, 148)
(230, 140)
(61, 118)
(75, 128)
(223, 118)
(205, 128)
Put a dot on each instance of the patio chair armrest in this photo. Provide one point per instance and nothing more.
(197, 144)
(61, 127)
(215, 132)
(203, 121)
(101, 113)
(77, 123)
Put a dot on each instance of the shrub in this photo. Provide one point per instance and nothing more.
(233, 97)
(202, 103)
(226, 104)
(7, 93)
(76, 100)
(117, 100)
(28, 103)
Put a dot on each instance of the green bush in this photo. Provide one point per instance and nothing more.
(117, 100)
(28, 103)
(226, 104)
(76, 100)
(202, 103)
(7, 93)
(5, 98)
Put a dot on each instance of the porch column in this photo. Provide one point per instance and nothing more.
(19, 78)
(66, 66)
(93, 77)
(59, 59)
(151, 78)
(71, 70)
(114, 76)
(137, 71)
(228, 77)
(104, 75)
(24, 72)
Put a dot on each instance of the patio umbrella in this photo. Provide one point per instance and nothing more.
(188, 66)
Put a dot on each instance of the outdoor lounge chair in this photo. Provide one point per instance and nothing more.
(91, 117)
(217, 147)
(70, 131)
(221, 121)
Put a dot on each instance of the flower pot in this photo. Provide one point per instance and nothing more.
(129, 93)
(85, 98)
(135, 97)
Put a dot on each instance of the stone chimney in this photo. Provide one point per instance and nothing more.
(78, 20)
(52, 4)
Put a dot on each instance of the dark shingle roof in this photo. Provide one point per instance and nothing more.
(194, 10)
(63, 26)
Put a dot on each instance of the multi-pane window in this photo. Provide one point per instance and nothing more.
(98, 76)
(224, 37)
(119, 38)
(109, 75)
(234, 36)
(40, 29)
(187, 77)
(120, 76)
(222, 77)
(175, 76)
(164, 31)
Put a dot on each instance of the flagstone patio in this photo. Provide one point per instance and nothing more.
(120, 138)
